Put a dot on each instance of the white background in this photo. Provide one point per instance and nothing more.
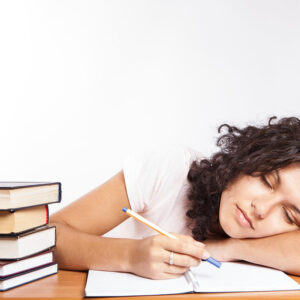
(84, 82)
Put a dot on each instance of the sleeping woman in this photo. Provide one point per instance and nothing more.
(242, 203)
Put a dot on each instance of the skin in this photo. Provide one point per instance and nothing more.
(256, 207)
(80, 226)
(80, 245)
(271, 206)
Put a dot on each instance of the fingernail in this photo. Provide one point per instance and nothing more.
(205, 254)
(198, 243)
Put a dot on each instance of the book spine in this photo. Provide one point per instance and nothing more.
(47, 213)
(59, 192)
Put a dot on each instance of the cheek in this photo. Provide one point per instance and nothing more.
(273, 225)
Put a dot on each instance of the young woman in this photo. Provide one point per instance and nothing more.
(243, 203)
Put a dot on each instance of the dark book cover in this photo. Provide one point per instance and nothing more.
(7, 262)
(11, 185)
(19, 236)
(13, 273)
(24, 233)
(15, 185)
(36, 274)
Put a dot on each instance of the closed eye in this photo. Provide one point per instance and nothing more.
(287, 216)
(266, 182)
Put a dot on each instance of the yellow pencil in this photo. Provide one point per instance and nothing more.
(146, 222)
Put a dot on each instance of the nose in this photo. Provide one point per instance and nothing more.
(262, 207)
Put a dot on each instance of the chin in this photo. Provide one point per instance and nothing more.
(237, 234)
(230, 231)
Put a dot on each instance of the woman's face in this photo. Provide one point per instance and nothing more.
(253, 207)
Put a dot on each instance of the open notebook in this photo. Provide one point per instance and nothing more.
(231, 277)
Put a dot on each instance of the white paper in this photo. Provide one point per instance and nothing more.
(231, 277)
(100, 283)
(241, 277)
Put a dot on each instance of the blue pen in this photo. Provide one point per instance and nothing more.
(141, 219)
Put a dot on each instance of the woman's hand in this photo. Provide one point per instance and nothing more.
(151, 256)
(221, 249)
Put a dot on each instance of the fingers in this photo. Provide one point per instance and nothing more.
(152, 256)
(175, 270)
(180, 265)
(187, 246)
(166, 275)
(172, 268)
(181, 260)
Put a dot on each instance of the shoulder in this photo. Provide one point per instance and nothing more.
(155, 172)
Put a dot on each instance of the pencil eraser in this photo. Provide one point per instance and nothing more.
(214, 262)
(124, 209)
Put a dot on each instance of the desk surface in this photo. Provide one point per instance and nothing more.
(70, 285)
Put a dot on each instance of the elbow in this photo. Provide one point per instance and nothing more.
(58, 221)
(294, 270)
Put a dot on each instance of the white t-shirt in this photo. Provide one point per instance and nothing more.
(156, 183)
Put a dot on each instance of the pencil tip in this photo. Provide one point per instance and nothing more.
(124, 209)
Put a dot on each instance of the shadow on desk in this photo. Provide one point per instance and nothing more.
(70, 285)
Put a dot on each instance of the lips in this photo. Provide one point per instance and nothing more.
(243, 218)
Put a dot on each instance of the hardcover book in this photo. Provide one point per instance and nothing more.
(14, 195)
(17, 221)
(27, 243)
(14, 267)
(14, 281)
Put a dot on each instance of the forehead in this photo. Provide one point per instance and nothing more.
(292, 169)
(290, 181)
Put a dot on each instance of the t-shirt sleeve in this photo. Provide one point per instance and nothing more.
(151, 174)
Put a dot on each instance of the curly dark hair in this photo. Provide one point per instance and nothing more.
(252, 150)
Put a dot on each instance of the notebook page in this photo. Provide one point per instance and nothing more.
(241, 277)
(101, 283)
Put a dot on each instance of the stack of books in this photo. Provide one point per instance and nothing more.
(26, 238)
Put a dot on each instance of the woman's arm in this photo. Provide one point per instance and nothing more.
(279, 251)
(80, 224)
(80, 245)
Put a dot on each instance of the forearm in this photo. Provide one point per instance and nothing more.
(280, 251)
(76, 250)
